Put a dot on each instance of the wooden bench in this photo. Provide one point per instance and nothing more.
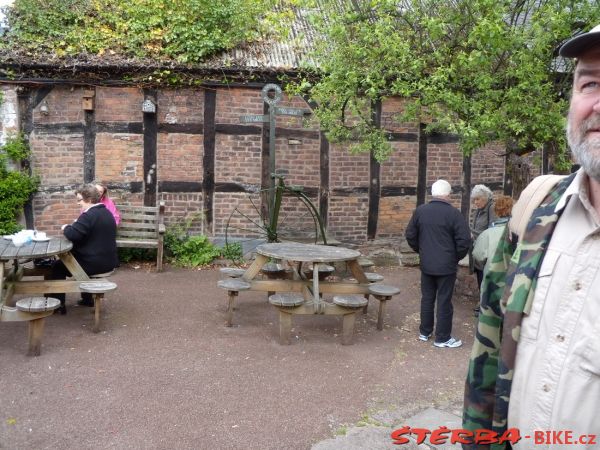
(142, 227)
(97, 288)
(34, 310)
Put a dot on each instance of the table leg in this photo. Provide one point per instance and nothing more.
(348, 328)
(1, 283)
(36, 329)
(317, 297)
(71, 263)
(230, 303)
(285, 327)
(97, 304)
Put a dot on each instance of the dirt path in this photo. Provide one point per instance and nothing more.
(166, 372)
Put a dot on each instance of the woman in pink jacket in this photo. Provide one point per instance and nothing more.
(107, 201)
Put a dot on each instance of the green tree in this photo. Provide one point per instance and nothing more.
(171, 30)
(485, 70)
(16, 185)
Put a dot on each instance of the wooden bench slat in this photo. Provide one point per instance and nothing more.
(136, 234)
(136, 226)
(137, 209)
(136, 243)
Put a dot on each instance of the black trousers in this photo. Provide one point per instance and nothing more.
(437, 289)
(60, 272)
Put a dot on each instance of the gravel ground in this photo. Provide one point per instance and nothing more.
(166, 373)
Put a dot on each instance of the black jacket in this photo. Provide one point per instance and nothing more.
(94, 236)
(441, 236)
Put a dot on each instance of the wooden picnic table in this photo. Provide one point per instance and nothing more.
(14, 279)
(11, 279)
(296, 254)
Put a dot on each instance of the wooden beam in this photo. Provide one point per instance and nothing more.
(374, 179)
(208, 160)
(150, 145)
(422, 169)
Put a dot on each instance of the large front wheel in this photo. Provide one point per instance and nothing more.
(250, 222)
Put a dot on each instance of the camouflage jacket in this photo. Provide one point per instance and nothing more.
(507, 294)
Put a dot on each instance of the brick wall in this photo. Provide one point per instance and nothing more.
(58, 157)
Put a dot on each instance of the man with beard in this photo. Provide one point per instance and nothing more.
(535, 364)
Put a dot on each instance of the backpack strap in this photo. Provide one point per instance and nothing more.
(531, 197)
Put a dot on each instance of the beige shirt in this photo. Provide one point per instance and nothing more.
(556, 384)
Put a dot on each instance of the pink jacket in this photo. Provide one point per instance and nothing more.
(110, 205)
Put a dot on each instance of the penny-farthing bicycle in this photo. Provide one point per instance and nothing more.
(283, 213)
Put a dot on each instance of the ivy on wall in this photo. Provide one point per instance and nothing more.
(16, 185)
(185, 31)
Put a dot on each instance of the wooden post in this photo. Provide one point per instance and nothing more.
(229, 312)
(348, 328)
(36, 329)
(285, 326)
(97, 304)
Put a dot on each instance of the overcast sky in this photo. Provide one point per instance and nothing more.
(3, 3)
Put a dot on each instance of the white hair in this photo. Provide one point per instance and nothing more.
(441, 188)
(481, 191)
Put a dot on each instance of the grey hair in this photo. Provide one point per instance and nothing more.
(89, 193)
(481, 190)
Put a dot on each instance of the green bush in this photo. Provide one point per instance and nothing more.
(233, 252)
(16, 185)
(136, 254)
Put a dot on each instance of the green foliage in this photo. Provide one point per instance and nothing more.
(233, 252)
(16, 185)
(485, 70)
(187, 250)
(195, 251)
(136, 254)
(181, 30)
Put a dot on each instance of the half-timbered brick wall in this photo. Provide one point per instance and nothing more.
(194, 154)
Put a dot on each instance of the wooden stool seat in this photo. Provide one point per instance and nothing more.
(233, 272)
(37, 304)
(286, 300)
(323, 268)
(233, 284)
(383, 293)
(373, 277)
(383, 290)
(36, 324)
(350, 301)
(97, 289)
(103, 275)
(365, 262)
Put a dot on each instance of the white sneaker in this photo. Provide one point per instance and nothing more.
(424, 337)
(450, 343)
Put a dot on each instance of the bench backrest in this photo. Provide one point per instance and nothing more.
(140, 222)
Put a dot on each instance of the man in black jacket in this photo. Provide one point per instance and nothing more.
(441, 236)
(94, 240)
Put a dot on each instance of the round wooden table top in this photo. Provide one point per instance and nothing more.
(35, 249)
(292, 251)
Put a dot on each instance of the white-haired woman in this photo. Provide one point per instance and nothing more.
(482, 200)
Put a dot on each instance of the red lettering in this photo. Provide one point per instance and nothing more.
(457, 436)
(421, 434)
(511, 435)
(556, 437)
(437, 436)
(569, 437)
(484, 436)
(398, 435)
(591, 439)
(538, 437)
